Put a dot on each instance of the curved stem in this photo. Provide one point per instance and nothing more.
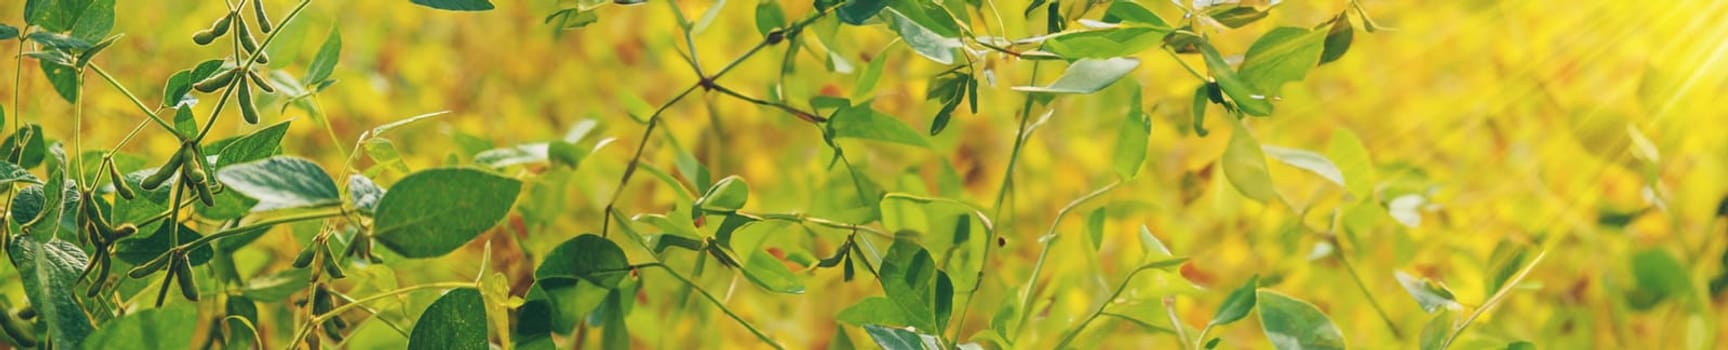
(1100, 310)
(717, 303)
(1493, 300)
(1049, 240)
(135, 101)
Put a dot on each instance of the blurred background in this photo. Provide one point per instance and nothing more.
(1593, 130)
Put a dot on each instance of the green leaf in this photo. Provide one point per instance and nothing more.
(35, 148)
(1353, 162)
(49, 269)
(456, 5)
(1237, 305)
(58, 208)
(949, 90)
(431, 213)
(907, 275)
(727, 195)
(11, 173)
(925, 41)
(456, 321)
(1131, 139)
(855, 12)
(1658, 276)
(1339, 33)
(769, 17)
(1132, 12)
(1296, 325)
(1246, 98)
(95, 20)
(587, 257)
(281, 182)
(162, 328)
(324, 62)
(901, 339)
(1198, 109)
(1095, 229)
(277, 286)
(861, 122)
(54, 15)
(63, 78)
(1437, 329)
(865, 87)
(1307, 160)
(1245, 165)
(1281, 56)
(258, 145)
(769, 273)
(1237, 15)
(1105, 43)
(874, 311)
(1086, 76)
(1428, 294)
(8, 32)
(174, 92)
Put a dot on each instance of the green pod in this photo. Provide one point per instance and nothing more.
(193, 166)
(248, 110)
(221, 26)
(120, 186)
(17, 329)
(183, 274)
(246, 41)
(304, 259)
(217, 81)
(148, 267)
(203, 37)
(101, 279)
(263, 19)
(204, 194)
(263, 85)
(125, 230)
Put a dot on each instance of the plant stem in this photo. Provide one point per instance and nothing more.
(1049, 240)
(1493, 300)
(1100, 311)
(306, 329)
(717, 303)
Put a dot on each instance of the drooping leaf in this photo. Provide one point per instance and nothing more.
(1659, 277)
(456, 321)
(587, 257)
(8, 32)
(161, 328)
(363, 193)
(1339, 33)
(727, 195)
(1131, 139)
(49, 268)
(1237, 15)
(1105, 43)
(769, 16)
(1245, 165)
(769, 273)
(1292, 324)
(255, 146)
(1086, 76)
(1237, 305)
(856, 12)
(862, 122)
(63, 78)
(11, 173)
(281, 182)
(146, 246)
(456, 5)
(925, 41)
(1307, 160)
(1250, 101)
(431, 213)
(1282, 55)
(874, 311)
(900, 339)
(908, 277)
(324, 62)
(35, 148)
(175, 91)
(1353, 162)
(1428, 294)
(1439, 326)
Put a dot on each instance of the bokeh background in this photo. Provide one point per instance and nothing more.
(1591, 129)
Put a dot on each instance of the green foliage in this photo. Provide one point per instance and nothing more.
(432, 212)
(456, 5)
(1293, 324)
(456, 321)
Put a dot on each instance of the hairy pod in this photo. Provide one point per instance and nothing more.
(218, 81)
(120, 186)
(248, 109)
(263, 19)
(148, 267)
(183, 274)
(263, 85)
